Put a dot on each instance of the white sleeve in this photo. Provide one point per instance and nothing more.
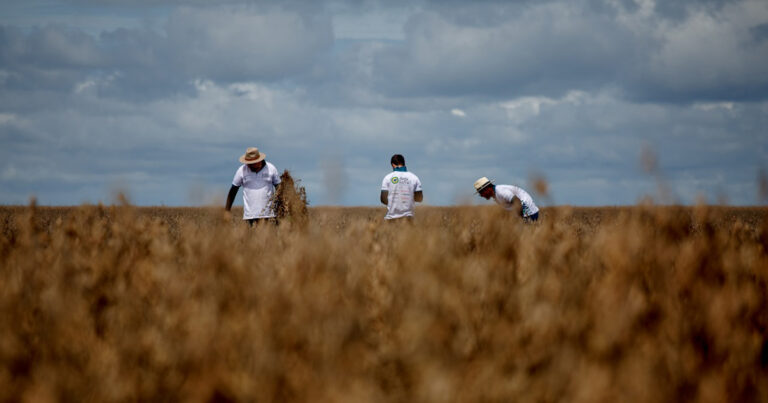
(238, 179)
(385, 184)
(418, 185)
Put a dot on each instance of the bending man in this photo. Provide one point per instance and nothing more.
(504, 195)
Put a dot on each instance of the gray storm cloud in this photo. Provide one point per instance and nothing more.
(236, 45)
(552, 48)
(571, 90)
(224, 44)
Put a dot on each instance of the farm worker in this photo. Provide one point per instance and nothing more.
(258, 179)
(400, 190)
(504, 195)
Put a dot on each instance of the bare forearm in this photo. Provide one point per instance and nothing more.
(384, 198)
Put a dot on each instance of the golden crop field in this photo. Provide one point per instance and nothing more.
(468, 304)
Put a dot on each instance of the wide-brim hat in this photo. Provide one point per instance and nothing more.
(252, 155)
(482, 183)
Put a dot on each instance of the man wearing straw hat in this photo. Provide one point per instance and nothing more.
(258, 179)
(504, 195)
(400, 190)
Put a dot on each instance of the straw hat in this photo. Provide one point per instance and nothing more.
(482, 183)
(252, 155)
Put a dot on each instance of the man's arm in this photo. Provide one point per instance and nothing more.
(231, 197)
(384, 197)
(418, 196)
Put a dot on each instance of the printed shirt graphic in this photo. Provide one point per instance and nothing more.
(401, 187)
(505, 194)
(258, 188)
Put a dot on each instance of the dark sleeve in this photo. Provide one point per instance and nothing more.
(231, 196)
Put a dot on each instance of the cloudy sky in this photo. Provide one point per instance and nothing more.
(160, 98)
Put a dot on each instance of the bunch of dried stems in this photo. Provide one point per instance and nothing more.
(290, 200)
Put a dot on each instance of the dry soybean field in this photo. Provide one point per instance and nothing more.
(466, 304)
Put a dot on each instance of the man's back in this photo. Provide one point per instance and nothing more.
(505, 195)
(401, 187)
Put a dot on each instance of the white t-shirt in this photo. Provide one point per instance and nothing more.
(506, 193)
(401, 187)
(258, 188)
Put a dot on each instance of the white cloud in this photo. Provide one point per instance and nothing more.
(458, 112)
(524, 108)
(709, 106)
(83, 86)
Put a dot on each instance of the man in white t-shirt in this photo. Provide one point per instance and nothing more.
(400, 190)
(505, 195)
(259, 179)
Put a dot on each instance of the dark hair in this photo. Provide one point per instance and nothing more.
(398, 159)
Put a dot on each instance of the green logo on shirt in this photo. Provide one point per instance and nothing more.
(395, 179)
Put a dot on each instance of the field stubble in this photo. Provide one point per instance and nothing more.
(633, 304)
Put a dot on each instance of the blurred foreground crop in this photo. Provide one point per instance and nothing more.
(640, 304)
